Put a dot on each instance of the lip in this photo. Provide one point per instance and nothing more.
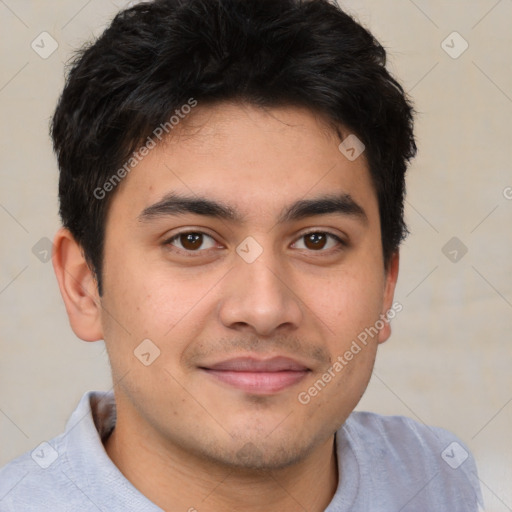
(258, 376)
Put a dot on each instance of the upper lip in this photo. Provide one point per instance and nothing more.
(254, 364)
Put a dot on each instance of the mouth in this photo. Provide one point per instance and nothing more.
(258, 376)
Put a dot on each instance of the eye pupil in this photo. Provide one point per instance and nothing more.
(315, 240)
(191, 241)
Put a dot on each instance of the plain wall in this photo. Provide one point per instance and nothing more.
(448, 362)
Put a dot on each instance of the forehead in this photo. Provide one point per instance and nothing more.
(255, 160)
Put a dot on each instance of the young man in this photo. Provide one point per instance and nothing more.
(231, 188)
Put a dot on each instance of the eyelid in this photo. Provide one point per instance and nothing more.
(341, 242)
(168, 242)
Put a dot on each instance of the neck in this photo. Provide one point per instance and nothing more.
(175, 480)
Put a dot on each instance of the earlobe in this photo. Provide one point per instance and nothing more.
(389, 293)
(78, 287)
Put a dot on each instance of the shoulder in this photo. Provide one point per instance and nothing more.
(35, 480)
(46, 478)
(400, 433)
(428, 463)
(72, 471)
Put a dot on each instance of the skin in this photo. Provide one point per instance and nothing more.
(185, 439)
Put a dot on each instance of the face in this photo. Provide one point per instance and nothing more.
(247, 250)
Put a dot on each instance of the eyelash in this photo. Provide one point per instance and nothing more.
(341, 243)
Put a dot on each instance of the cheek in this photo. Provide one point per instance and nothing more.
(348, 303)
(337, 391)
(145, 301)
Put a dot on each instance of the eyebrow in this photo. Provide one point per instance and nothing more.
(175, 204)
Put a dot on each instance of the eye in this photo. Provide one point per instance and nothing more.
(191, 241)
(319, 241)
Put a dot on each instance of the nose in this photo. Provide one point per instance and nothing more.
(258, 298)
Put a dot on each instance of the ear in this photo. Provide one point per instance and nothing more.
(78, 287)
(389, 293)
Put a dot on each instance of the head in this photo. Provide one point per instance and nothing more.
(208, 207)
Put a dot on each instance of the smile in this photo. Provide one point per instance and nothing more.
(263, 377)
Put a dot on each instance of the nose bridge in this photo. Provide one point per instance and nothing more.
(258, 296)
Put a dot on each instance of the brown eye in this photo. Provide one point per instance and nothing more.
(319, 241)
(315, 241)
(192, 241)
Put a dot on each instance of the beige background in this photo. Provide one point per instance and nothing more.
(448, 362)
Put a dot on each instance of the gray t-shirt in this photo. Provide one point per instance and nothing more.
(386, 464)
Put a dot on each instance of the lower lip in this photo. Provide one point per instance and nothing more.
(262, 383)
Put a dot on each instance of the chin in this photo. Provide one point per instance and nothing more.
(267, 451)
